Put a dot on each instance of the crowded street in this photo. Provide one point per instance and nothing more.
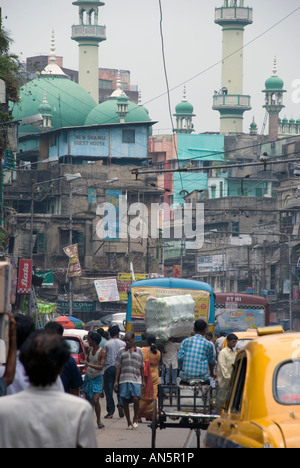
(149, 227)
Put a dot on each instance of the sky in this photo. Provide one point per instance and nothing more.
(192, 46)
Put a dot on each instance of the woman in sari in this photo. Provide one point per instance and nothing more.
(151, 359)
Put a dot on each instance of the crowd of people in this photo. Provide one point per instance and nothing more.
(41, 383)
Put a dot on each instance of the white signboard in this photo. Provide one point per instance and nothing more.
(107, 290)
(210, 263)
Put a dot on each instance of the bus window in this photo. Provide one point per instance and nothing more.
(239, 312)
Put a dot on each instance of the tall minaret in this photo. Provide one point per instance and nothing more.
(89, 34)
(230, 101)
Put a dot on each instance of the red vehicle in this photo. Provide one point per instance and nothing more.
(238, 312)
(77, 350)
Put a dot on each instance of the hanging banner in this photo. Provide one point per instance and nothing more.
(125, 280)
(74, 268)
(107, 290)
(25, 276)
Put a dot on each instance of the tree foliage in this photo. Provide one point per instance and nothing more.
(10, 67)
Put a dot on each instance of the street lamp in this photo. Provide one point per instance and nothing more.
(70, 178)
(288, 243)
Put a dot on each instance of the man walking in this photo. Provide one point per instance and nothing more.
(130, 377)
(196, 355)
(111, 349)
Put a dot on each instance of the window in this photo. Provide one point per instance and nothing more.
(238, 384)
(128, 136)
(235, 229)
(77, 238)
(39, 243)
(287, 383)
(105, 84)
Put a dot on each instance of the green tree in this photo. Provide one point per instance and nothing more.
(10, 67)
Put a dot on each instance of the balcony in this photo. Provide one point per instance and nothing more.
(231, 102)
(243, 15)
(89, 32)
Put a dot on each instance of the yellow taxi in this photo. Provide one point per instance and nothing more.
(263, 407)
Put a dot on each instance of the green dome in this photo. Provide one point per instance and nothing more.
(274, 83)
(69, 103)
(107, 113)
(45, 108)
(184, 107)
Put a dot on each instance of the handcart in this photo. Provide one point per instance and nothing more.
(187, 405)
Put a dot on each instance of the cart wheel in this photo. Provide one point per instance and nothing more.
(153, 424)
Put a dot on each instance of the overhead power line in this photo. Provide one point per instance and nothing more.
(263, 163)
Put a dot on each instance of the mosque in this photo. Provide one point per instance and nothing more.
(79, 133)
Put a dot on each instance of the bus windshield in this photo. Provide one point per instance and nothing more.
(239, 312)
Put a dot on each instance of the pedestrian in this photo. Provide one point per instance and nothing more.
(70, 375)
(10, 368)
(196, 355)
(103, 340)
(219, 343)
(225, 364)
(170, 364)
(209, 337)
(92, 386)
(111, 349)
(151, 374)
(101, 332)
(130, 377)
(25, 326)
(41, 416)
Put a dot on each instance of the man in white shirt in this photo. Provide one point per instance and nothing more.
(41, 416)
(225, 367)
(170, 364)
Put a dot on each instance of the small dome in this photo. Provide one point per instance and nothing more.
(184, 107)
(107, 113)
(274, 83)
(45, 107)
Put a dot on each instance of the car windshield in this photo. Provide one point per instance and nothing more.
(74, 346)
(242, 343)
(287, 383)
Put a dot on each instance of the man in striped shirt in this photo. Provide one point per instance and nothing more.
(130, 377)
(196, 355)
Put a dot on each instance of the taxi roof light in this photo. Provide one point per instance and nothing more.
(270, 330)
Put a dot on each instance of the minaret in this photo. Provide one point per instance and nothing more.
(46, 112)
(274, 101)
(233, 16)
(89, 34)
(184, 116)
